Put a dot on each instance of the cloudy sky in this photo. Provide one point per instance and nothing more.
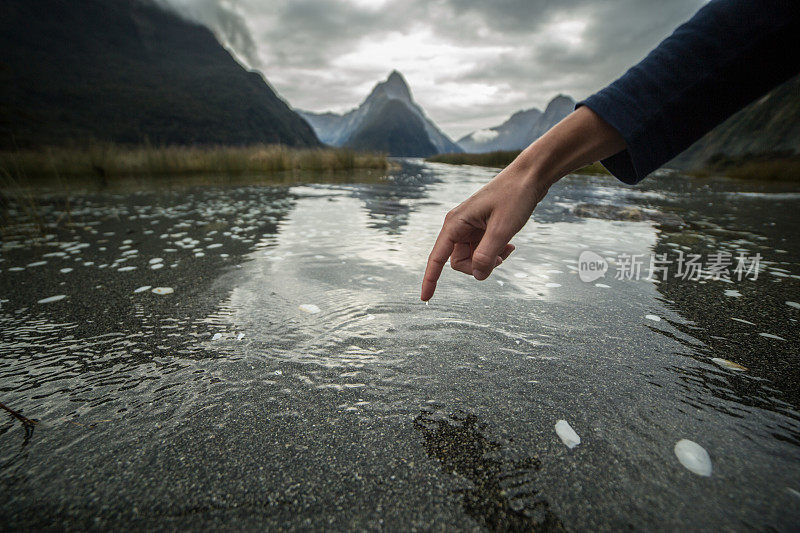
(470, 63)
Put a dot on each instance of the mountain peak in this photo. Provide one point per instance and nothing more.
(395, 78)
(395, 87)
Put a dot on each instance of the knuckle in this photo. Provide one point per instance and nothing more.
(482, 258)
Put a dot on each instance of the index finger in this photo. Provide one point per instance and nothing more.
(436, 261)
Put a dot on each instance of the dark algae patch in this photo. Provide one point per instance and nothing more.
(503, 496)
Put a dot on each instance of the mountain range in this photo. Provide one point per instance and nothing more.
(520, 130)
(388, 120)
(129, 71)
(768, 127)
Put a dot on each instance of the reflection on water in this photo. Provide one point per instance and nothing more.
(252, 354)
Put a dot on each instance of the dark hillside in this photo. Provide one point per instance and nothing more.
(127, 71)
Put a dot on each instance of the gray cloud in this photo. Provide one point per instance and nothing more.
(225, 19)
(470, 63)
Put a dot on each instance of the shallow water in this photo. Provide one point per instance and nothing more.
(277, 368)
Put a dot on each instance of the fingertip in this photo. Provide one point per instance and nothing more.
(480, 275)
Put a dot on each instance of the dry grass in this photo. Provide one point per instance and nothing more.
(776, 166)
(109, 161)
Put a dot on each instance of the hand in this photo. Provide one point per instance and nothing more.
(476, 234)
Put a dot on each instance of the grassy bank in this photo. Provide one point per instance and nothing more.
(109, 161)
(500, 159)
(772, 166)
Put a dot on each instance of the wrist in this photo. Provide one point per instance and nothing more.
(534, 173)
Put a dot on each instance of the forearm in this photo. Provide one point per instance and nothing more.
(578, 140)
(728, 54)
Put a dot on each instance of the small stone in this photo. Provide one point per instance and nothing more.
(163, 290)
(730, 365)
(52, 299)
(567, 434)
(693, 457)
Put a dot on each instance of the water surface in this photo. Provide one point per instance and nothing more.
(291, 377)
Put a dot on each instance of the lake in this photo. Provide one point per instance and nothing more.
(244, 355)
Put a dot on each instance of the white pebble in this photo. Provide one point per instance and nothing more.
(37, 264)
(567, 434)
(793, 304)
(654, 318)
(155, 260)
(215, 245)
(309, 308)
(732, 293)
(743, 321)
(142, 289)
(730, 365)
(602, 285)
(126, 269)
(771, 336)
(156, 266)
(694, 457)
(163, 290)
(52, 299)
(65, 270)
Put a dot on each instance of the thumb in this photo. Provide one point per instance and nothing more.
(492, 244)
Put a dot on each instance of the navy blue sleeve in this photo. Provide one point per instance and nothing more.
(730, 53)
